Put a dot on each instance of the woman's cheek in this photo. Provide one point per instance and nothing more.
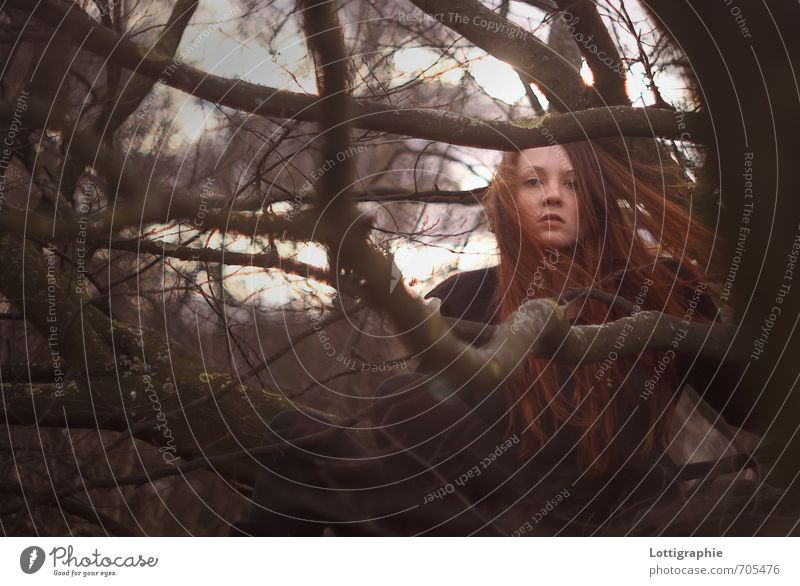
(576, 224)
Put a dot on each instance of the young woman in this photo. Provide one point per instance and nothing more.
(555, 450)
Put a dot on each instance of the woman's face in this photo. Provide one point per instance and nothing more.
(547, 195)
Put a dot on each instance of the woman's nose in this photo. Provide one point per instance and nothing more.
(551, 196)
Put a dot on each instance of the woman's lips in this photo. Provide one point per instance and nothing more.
(551, 219)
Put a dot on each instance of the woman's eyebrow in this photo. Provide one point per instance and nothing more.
(543, 171)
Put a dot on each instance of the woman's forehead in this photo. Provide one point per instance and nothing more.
(546, 158)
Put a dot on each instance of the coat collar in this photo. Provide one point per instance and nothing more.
(468, 295)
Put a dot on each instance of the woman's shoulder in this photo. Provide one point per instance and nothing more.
(467, 294)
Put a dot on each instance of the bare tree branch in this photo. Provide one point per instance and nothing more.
(268, 260)
(413, 121)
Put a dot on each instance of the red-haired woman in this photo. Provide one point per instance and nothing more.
(555, 450)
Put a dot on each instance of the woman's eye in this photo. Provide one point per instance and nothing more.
(533, 181)
(573, 185)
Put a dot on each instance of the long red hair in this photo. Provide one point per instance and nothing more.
(633, 210)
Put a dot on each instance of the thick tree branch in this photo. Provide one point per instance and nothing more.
(119, 107)
(166, 47)
(432, 124)
(580, 17)
(560, 82)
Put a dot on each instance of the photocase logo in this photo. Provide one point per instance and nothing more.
(31, 559)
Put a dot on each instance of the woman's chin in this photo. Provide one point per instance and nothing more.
(556, 242)
(553, 239)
